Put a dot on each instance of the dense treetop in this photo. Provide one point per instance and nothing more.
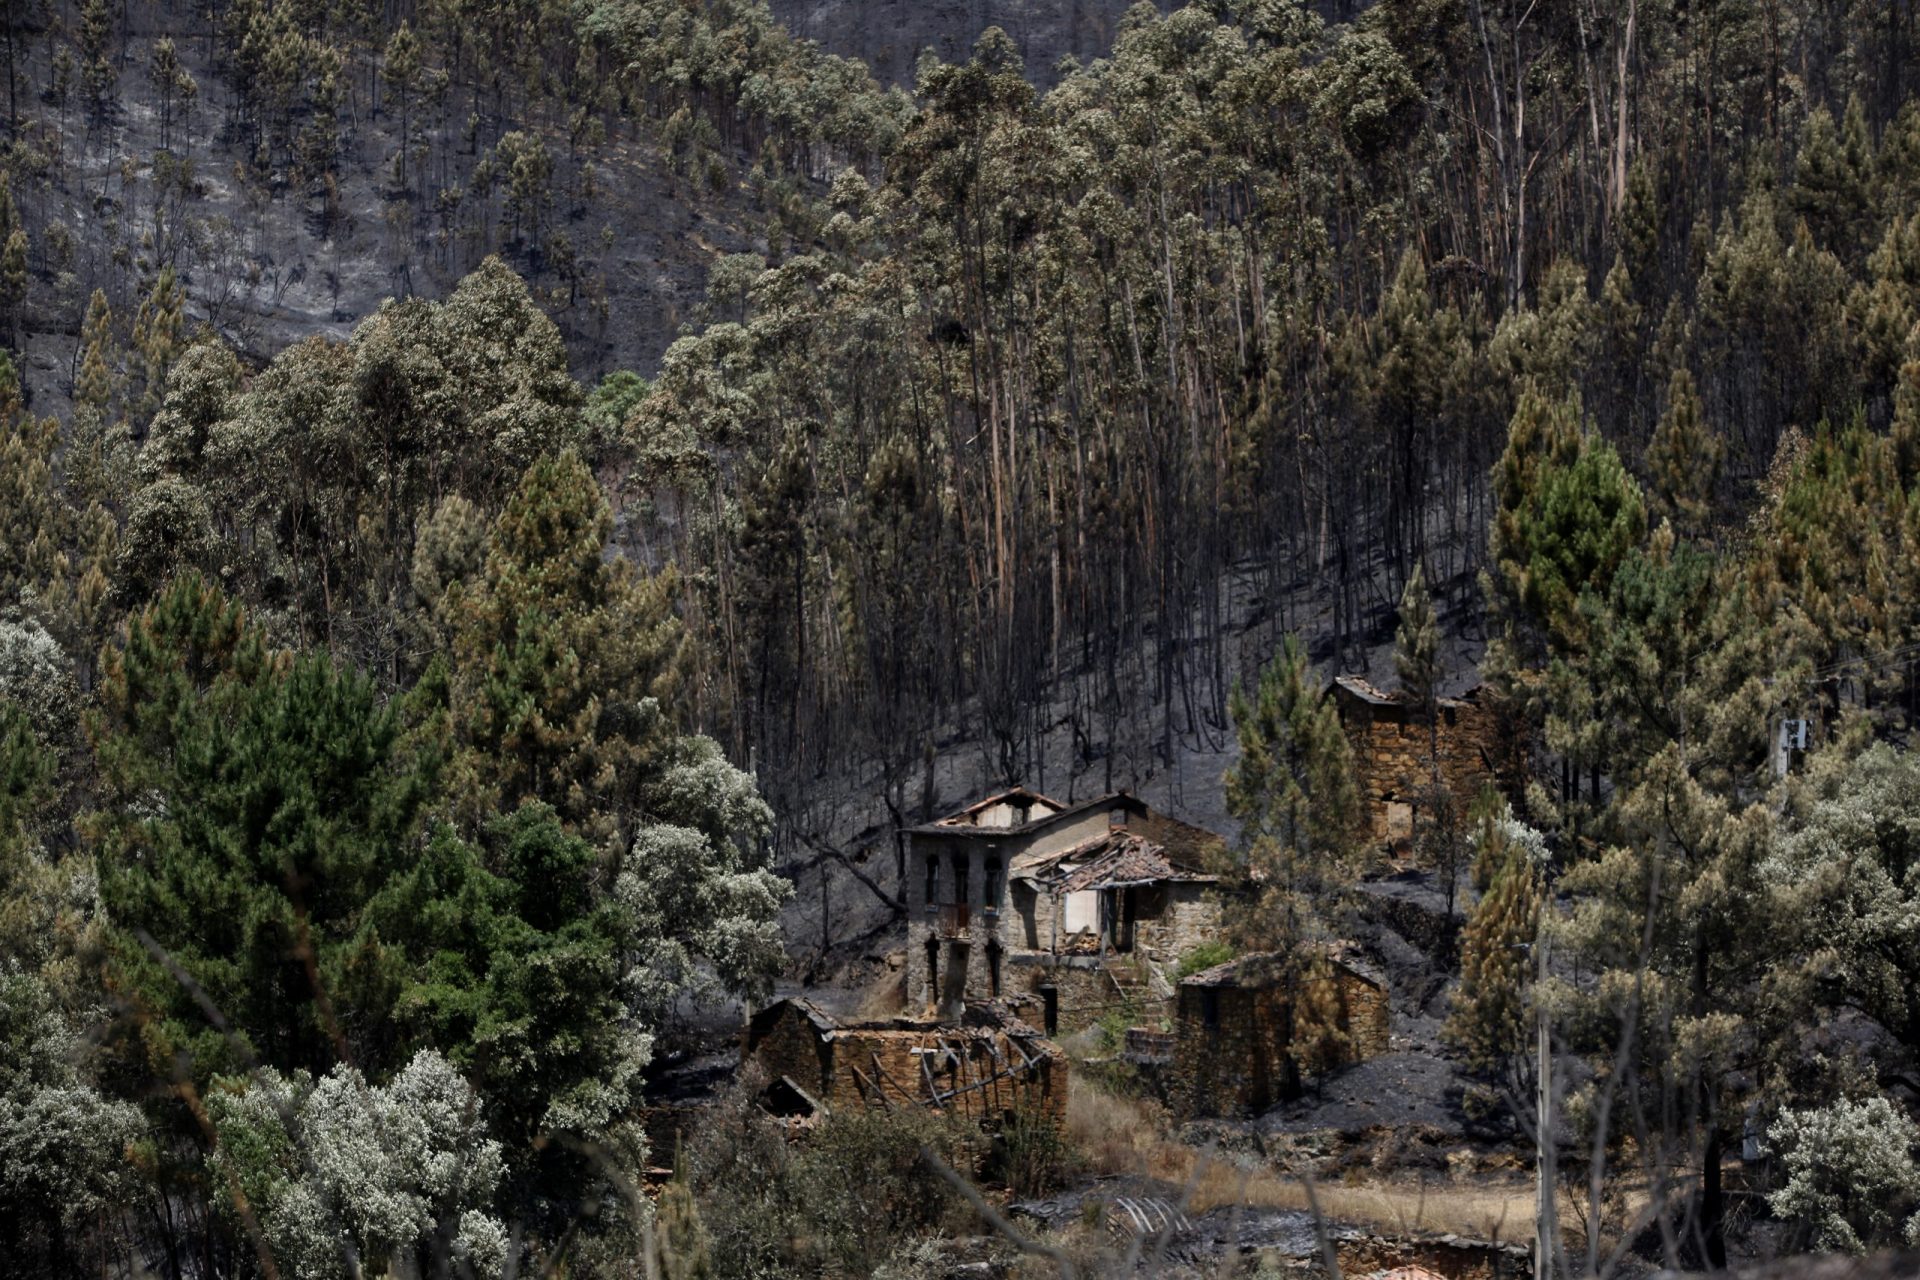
(392, 726)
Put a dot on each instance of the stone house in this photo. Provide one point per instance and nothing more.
(1234, 1050)
(1063, 911)
(987, 1065)
(1392, 745)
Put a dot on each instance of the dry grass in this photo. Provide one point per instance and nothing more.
(1120, 1135)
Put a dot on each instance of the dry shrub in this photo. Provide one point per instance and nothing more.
(1120, 1135)
(843, 1199)
(1114, 1134)
(1032, 1155)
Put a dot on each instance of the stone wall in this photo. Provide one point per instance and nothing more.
(1171, 919)
(850, 1068)
(984, 1073)
(1392, 749)
(1233, 1050)
(976, 929)
(1084, 992)
(989, 922)
(1364, 1008)
(1230, 1051)
(790, 1045)
(1192, 917)
(1186, 844)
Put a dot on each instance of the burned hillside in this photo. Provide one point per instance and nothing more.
(630, 646)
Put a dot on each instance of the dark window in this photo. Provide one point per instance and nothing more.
(993, 971)
(1210, 1009)
(990, 891)
(933, 970)
(1050, 1003)
(958, 971)
(933, 879)
(960, 879)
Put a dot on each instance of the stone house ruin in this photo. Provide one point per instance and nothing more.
(987, 1065)
(1062, 911)
(1392, 745)
(1234, 1041)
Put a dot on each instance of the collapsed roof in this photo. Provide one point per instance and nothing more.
(1117, 859)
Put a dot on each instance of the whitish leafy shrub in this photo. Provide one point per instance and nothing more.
(342, 1174)
(36, 675)
(1850, 1172)
(63, 1147)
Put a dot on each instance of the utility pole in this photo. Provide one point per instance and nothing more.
(1792, 737)
(1544, 1225)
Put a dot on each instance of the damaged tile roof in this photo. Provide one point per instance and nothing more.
(977, 1016)
(1114, 860)
(1365, 690)
(1360, 687)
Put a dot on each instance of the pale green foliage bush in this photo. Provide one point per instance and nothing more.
(198, 390)
(1848, 875)
(1214, 951)
(36, 675)
(1528, 840)
(63, 1147)
(693, 885)
(339, 1168)
(1850, 1172)
(169, 526)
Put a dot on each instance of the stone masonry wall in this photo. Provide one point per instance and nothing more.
(987, 1058)
(1085, 992)
(1235, 1062)
(989, 924)
(1192, 917)
(1391, 750)
(1241, 1061)
(793, 1047)
(842, 1067)
(1366, 1010)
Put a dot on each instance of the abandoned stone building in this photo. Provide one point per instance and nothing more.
(1062, 911)
(987, 1064)
(1393, 746)
(1238, 1044)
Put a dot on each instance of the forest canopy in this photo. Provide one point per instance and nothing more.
(405, 712)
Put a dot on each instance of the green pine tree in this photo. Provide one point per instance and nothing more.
(13, 283)
(1684, 457)
(565, 661)
(1833, 186)
(1296, 797)
(1567, 514)
(158, 332)
(1489, 1023)
(1416, 660)
(98, 71)
(252, 801)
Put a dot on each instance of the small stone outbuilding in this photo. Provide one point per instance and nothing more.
(1393, 746)
(1235, 1050)
(988, 1065)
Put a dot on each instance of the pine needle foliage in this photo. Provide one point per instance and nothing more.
(1295, 794)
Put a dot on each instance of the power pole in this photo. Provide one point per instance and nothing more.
(1545, 1226)
(1791, 737)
